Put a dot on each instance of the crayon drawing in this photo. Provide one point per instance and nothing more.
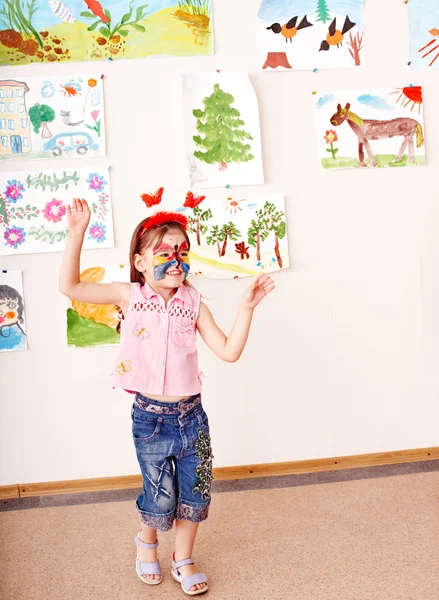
(380, 128)
(33, 209)
(41, 31)
(424, 33)
(91, 325)
(233, 238)
(222, 134)
(310, 34)
(46, 117)
(12, 320)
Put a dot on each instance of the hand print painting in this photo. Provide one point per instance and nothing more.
(33, 209)
(369, 129)
(50, 31)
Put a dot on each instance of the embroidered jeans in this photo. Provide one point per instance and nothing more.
(174, 452)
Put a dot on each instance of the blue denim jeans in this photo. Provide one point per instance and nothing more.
(173, 448)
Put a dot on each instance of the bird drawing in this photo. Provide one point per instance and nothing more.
(290, 29)
(335, 37)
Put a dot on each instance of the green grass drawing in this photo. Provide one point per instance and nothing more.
(195, 7)
(383, 160)
(85, 333)
(13, 15)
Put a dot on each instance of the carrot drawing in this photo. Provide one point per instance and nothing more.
(97, 10)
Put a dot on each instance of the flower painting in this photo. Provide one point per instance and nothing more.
(33, 209)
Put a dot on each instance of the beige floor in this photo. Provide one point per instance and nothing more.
(375, 539)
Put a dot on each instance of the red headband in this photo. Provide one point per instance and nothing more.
(163, 217)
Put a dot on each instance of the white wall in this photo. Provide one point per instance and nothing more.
(342, 358)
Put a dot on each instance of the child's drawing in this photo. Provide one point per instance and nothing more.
(383, 128)
(46, 117)
(236, 238)
(33, 208)
(424, 33)
(90, 325)
(39, 31)
(12, 320)
(310, 34)
(222, 130)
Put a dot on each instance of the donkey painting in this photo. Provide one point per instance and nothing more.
(370, 129)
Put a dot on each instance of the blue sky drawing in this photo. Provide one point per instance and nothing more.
(271, 10)
(423, 16)
(324, 100)
(376, 102)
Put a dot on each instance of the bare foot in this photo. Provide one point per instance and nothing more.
(144, 555)
(190, 570)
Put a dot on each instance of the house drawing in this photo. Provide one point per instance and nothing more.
(14, 120)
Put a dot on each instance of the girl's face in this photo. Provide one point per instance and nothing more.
(166, 264)
(8, 312)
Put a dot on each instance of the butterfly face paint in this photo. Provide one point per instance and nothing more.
(168, 258)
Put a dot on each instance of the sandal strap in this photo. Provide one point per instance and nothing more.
(190, 580)
(182, 563)
(146, 546)
(148, 568)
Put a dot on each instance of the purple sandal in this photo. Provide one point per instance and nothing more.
(190, 580)
(148, 568)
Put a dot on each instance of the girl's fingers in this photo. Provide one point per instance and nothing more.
(80, 208)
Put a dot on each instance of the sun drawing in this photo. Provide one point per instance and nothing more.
(233, 205)
(407, 95)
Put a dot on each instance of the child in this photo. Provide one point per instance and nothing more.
(158, 363)
(12, 336)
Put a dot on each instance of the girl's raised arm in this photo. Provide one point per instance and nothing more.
(78, 218)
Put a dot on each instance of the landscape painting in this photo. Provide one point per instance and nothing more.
(222, 133)
(33, 209)
(47, 117)
(41, 31)
(370, 128)
(91, 325)
(424, 34)
(310, 34)
(236, 236)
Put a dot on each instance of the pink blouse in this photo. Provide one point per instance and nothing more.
(157, 352)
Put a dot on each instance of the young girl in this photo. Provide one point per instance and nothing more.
(158, 363)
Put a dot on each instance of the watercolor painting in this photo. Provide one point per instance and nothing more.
(310, 34)
(91, 325)
(33, 208)
(12, 319)
(222, 133)
(379, 128)
(424, 33)
(46, 117)
(236, 237)
(41, 31)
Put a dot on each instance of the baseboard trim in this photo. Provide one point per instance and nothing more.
(24, 490)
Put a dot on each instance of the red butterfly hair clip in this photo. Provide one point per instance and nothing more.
(153, 199)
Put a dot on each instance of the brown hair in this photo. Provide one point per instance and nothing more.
(143, 239)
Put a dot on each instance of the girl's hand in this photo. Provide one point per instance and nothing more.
(261, 286)
(78, 217)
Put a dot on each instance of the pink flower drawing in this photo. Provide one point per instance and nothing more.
(54, 211)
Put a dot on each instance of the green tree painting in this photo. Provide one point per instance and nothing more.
(258, 232)
(221, 138)
(197, 222)
(228, 231)
(40, 115)
(322, 11)
(275, 224)
(215, 237)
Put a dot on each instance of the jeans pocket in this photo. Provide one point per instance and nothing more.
(146, 429)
